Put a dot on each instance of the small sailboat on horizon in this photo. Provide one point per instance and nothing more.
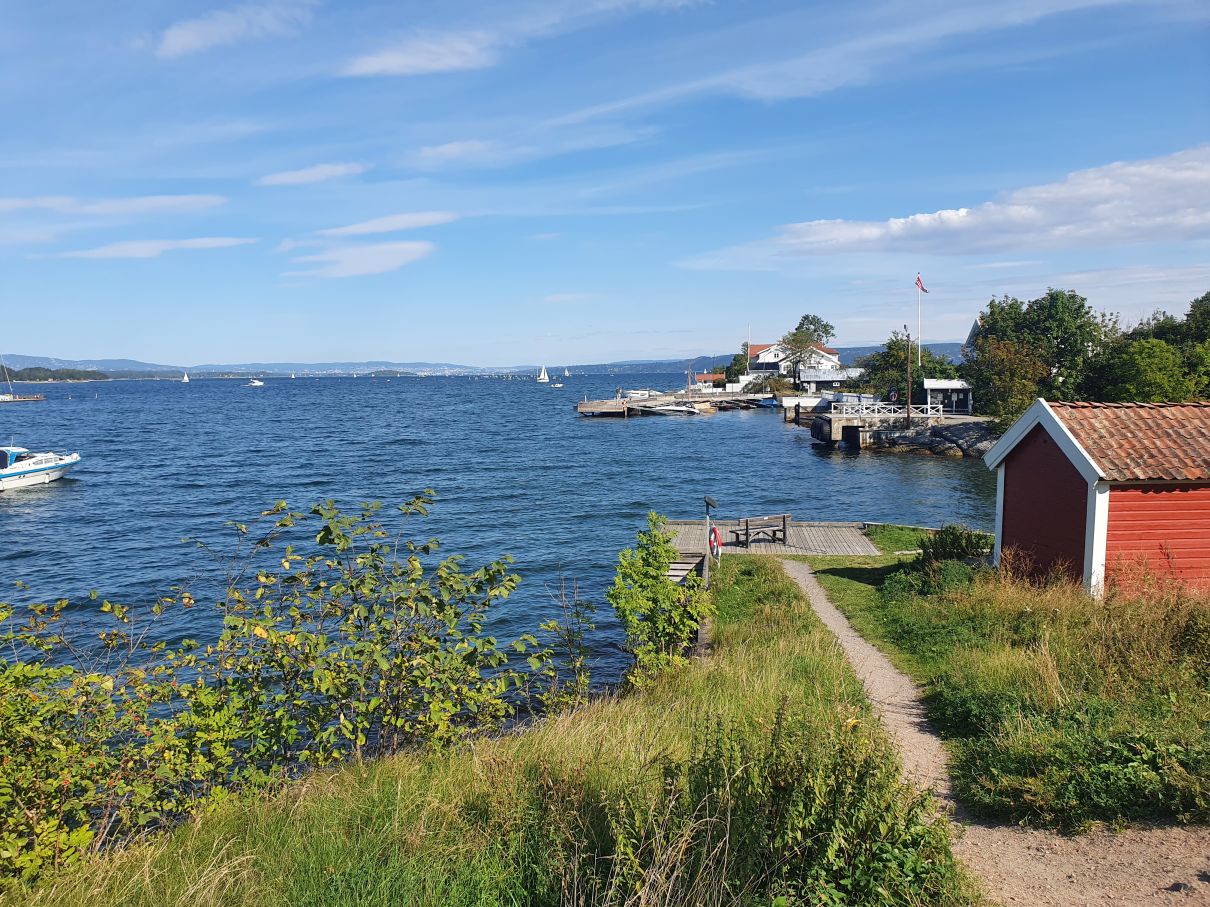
(185, 378)
(543, 378)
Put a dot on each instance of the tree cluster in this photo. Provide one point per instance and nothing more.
(886, 371)
(1059, 348)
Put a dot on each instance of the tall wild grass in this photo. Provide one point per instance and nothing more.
(1062, 709)
(754, 776)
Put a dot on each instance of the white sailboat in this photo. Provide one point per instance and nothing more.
(185, 378)
(543, 378)
(566, 373)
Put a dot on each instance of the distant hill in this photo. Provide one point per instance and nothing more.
(133, 368)
(850, 354)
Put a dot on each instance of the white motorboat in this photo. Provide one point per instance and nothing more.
(673, 409)
(543, 378)
(255, 382)
(20, 468)
(557, 384)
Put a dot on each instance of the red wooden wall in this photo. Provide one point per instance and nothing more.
(1165, 526)
(1045, 506)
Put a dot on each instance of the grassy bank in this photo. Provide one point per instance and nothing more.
(1058, 709)
(753, 774)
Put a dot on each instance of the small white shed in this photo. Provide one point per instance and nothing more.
(953, 394)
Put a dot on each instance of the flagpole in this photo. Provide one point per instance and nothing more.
(919, 318)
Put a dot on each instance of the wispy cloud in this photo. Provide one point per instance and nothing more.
(393, 223)
(474, 150)
(426, 53)
(117, 207)
(154, 248)
(1125, 203)
(318, 173)
(525, 146)
(231, 26)
(864, 55)
(358, 261)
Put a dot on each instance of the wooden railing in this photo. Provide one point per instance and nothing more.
(885, 410)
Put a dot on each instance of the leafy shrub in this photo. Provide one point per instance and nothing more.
(660, 617)
(954, 543)
(353, 650)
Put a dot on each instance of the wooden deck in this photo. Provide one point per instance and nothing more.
(803, 538)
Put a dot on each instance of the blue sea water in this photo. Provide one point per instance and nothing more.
(515, 469)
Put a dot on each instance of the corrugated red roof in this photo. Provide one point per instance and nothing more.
(1143, 441)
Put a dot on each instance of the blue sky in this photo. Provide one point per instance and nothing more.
(493, 183)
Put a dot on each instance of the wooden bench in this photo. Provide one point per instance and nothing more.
(773, 526)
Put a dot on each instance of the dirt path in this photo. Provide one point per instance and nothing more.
(1152, 866)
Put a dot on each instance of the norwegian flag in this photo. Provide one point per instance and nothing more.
(920, 284)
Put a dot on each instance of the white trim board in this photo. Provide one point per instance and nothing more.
(1040, 413)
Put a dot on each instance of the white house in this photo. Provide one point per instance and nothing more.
(776, 358)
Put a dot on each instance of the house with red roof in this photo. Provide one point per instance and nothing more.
(1099, 490)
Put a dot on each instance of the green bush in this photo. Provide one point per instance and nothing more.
(954, 543)
(660, 617)
(354, 650)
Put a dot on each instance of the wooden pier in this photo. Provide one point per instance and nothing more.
(801, 538)
(625, 407)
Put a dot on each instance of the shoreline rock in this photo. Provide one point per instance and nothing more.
(961, 439)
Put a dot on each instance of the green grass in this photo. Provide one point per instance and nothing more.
(756, 772)
(888, 538)
(1058, 709)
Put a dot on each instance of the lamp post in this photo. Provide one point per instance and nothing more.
(710, 504)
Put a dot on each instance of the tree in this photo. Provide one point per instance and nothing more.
(811, 330)
(886, 370)
(1004, 376)
(1149, 371)
(1064, 332)
(739, 364)
(1197, 322)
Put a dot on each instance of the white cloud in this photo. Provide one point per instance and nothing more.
(118, 207)
(528, 145)
(230, 26)
(357, 261)
(315, 174)
(452, 152)
(393, 223)
(1165, 199)
(154, 248)
(430, 53)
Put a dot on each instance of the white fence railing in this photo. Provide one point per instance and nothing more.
(884, 410)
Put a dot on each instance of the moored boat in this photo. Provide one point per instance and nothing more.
(20, 468)
(255, 382)
(21, 398)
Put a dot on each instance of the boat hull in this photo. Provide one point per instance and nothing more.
(40, 476)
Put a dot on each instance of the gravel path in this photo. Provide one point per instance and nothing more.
(1017, 866)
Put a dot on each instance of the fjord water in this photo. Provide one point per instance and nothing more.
(515, 469)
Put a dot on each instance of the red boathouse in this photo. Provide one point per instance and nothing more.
(1093, 488)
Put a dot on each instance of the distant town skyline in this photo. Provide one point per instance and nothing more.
(297, 180)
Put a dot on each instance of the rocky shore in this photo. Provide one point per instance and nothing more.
(961, 439)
